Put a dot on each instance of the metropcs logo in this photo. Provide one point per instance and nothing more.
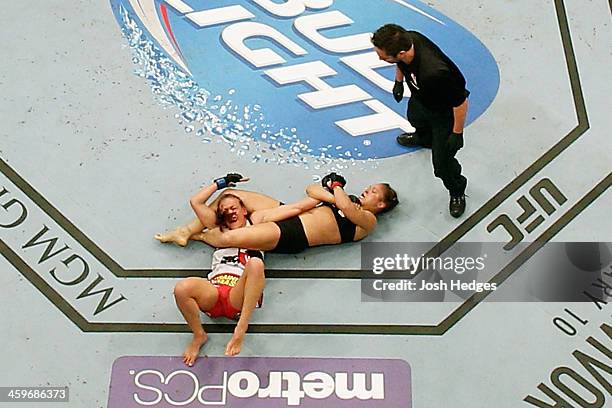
(309, 64)
(259, 382)
(246, 384)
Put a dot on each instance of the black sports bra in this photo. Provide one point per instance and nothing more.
(346, 227)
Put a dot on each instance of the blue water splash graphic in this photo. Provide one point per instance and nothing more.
(216, 119)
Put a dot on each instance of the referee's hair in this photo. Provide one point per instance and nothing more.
(392, 39)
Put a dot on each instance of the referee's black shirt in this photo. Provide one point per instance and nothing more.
(432, 77)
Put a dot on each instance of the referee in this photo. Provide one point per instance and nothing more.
(438, 103)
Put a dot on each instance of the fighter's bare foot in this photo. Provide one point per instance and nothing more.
(179, 236)
(235, 344)
(192, 351)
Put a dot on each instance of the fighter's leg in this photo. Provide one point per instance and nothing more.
(193, 295)
(284, 211)
(263, 237)
(252, 201)
(180, 235)
(244, 296)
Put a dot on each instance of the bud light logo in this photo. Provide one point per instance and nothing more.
(308, 65)
(260, 382)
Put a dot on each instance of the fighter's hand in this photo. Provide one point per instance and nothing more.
(454, 142)
(333, 180)
(398, 91)
(229, 180)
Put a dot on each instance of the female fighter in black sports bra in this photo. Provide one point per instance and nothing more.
(340, 219)
(291, 228)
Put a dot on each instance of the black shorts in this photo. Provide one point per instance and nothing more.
(292, 237)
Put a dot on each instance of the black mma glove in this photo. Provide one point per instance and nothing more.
(398, 91)
(454, 142)
(229, 180)
(355, 199)
(332, 180)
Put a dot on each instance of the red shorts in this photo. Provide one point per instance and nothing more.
(223, 306)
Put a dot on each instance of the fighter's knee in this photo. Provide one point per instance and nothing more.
(183, 288)
(257, 263)
(256, 267)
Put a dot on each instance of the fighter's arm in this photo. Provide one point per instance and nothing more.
(284, 211)
(361, 218)
(198, 203)
(205, 214)
(320, 193)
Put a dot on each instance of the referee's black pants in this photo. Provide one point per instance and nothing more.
(433, 129)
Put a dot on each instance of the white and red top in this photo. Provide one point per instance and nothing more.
(228, 265)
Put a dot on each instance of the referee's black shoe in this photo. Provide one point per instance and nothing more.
(457, 205)
(409, 140)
